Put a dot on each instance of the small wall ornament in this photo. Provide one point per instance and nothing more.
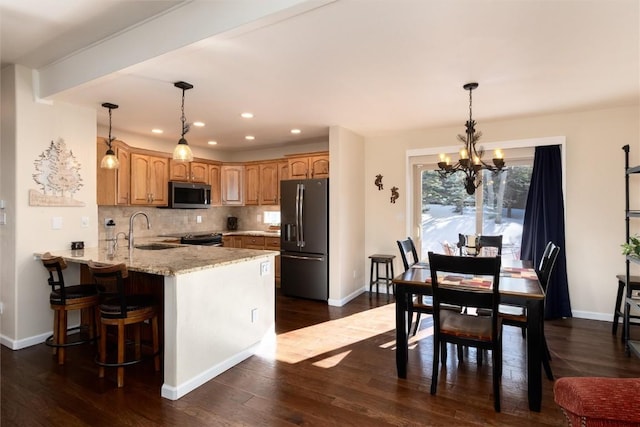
(379, 182)
(58, 175)
(394, 194)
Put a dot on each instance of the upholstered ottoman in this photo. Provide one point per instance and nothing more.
(594, 401)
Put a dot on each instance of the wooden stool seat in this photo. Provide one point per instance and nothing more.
(387, 261)
(634, 284)
(63, 299)
(119, 309)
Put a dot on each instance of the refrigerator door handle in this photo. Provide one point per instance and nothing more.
(297, 230)
(301, 228)
(308, 258)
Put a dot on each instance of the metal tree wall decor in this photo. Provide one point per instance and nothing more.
(58, 175)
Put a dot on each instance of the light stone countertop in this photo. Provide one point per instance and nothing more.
(179, 259)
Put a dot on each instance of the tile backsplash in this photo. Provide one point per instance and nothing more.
(183, 221)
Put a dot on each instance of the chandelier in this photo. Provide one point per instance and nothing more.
(470, 163)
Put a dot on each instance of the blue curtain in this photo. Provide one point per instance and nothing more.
(544, 221)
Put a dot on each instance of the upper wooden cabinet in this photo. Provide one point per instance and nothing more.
(314, 165)
(269, 184)
(232, 184)
(113, 185)
(251, 184)
(283, 170)
(261, 183)
(149, 180)
(188, 171)
(213, 172)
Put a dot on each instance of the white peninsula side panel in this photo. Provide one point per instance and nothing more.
(215, 319)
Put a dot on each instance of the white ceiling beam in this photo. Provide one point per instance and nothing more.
(182, 26)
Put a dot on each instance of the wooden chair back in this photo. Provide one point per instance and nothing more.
(490, 242)
(547, 263)
(460, 295)
(110, 280)
(55, 265)
(407, 247)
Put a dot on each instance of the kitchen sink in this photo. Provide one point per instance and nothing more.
(155, 246)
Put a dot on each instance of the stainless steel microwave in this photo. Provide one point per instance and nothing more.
(186, 195)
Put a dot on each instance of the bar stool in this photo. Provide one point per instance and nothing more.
(376, 261)
(63, 299)
(634, 284)
(120, 309)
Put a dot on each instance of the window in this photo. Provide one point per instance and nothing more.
(497, 207)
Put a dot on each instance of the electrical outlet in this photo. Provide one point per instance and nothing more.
(254, 315)
(198, 219)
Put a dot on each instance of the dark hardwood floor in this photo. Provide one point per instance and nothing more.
(327, 366)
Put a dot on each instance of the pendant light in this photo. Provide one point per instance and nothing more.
(182, 152)
(110, 161)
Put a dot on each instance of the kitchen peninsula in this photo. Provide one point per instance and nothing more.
(218, 304)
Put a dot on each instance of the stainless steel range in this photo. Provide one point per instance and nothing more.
(209, 239)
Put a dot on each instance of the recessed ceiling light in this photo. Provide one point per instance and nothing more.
(246, 115)
(249, 137)
(157, 130)
(296, 131)
(198, 124)
(212, 142)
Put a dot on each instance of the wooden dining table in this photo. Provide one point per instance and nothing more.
(517, 286)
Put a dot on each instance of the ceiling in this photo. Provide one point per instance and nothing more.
(371, 66)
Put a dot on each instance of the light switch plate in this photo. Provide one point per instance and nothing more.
(56, 223)
(264, 268)
(84, 221)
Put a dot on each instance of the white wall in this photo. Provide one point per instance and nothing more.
(346, 211)
(27, 314)
(594, 198)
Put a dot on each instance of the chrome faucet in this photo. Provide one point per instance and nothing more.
(133, 215)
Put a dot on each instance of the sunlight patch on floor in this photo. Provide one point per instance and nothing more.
(331, 336)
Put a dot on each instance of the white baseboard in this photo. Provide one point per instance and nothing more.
(591, 315)
(345, 300)
(175, 393)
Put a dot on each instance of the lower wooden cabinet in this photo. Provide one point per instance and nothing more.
(255, 242)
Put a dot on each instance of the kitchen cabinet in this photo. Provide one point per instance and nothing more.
(213, 171)
(149, 175)
(273, 244)
(314, 165)
(269, 184)
(252, 184)
(253, 242)
(188, 171)
(232, 241)
(113, 185)
(283, 170)
(261, 183)
(232, 184)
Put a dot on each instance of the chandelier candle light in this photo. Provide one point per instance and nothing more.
(109, 161)
(470, 163)
(182, 152)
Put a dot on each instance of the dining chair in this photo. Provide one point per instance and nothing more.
(517, 316)
(480, 290)
(119, 308)
(63, 299)
(494, 242)
(417, 303)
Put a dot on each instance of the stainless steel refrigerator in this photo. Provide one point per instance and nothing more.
(304, 238)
